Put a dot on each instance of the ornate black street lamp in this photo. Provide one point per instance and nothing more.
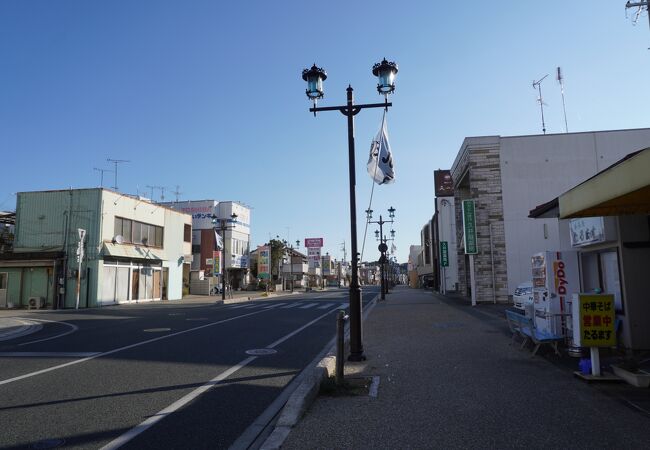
(223, 226)
(385, 72)
(383, 247)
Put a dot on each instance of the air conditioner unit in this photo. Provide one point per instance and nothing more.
(36, 303)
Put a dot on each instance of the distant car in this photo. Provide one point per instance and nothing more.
(523, 295)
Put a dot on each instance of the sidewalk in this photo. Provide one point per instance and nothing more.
(450, 379)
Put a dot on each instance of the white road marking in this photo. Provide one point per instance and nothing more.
(48, 354)
(291, 305)
(274, 305)
(325, 306)
(308, 305)
(178, 404)
(344, 305)
(254, 305)
(127, 347)
(74, 328)
(239, 306)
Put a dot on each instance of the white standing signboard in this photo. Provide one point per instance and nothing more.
(80, 258)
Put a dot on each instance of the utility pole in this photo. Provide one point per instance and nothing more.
(116, 162)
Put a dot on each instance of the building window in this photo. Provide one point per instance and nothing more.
(135, 232)
(187, 233)
(3, 280)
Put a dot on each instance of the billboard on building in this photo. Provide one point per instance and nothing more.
(313, 242)
(443, 184)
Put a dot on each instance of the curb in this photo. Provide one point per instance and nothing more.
(305, 394)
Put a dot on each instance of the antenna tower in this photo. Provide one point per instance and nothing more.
(538, 85)
(162, 191)
(116, 162)
(101, 183)
(177, 193)
(560, 80)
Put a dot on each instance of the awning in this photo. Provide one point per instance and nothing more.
(621, 189)
(132, 251)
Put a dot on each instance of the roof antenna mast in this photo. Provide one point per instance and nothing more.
(640, 6)
(560, 80)
(538, 85)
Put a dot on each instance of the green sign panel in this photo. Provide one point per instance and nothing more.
(469, 227)
(444, 254)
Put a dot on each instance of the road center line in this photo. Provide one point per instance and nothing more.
(48, 354)
(178, 404)
(117, 350)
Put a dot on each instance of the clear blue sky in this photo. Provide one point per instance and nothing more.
(208, 95)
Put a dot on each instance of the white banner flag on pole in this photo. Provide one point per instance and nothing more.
(380, 161)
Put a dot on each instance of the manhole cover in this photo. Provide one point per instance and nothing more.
(48, 443)
(156, 330)
(447, 325)
(261, 352)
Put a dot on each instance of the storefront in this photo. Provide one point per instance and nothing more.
(133, 281)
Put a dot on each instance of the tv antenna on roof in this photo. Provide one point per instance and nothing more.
(640, 6)
(560, 80)
(177, 193)
(116, 162)
(538, 85)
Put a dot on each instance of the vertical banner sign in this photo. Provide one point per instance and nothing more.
(596, 320)
(216, 263)
(444, 254)
(469, 227)
(264, 261)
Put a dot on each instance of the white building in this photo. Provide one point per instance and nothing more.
(236, 238)
(505, 176)
(133, 250)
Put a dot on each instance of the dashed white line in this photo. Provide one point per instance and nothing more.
(152, 420)
(127, 347)
(308, 305)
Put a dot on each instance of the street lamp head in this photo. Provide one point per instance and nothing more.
(377, 234)
(385, 72)
(392, 233)
(233, 216)
(391, 212)
(297, 243)
(369, 213)
(214, 219)
(314, 78)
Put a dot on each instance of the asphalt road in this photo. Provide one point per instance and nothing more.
(158, 375)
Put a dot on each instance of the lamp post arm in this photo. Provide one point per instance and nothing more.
(353, 110)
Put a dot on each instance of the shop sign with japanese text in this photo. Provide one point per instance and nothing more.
(444, 254)
(596, 320)
(469, 227)
(264, 261)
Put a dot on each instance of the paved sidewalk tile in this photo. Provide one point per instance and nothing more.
(450, 379)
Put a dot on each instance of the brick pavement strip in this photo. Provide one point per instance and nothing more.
(450, 379)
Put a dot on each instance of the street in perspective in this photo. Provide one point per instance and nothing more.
(272, 225)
